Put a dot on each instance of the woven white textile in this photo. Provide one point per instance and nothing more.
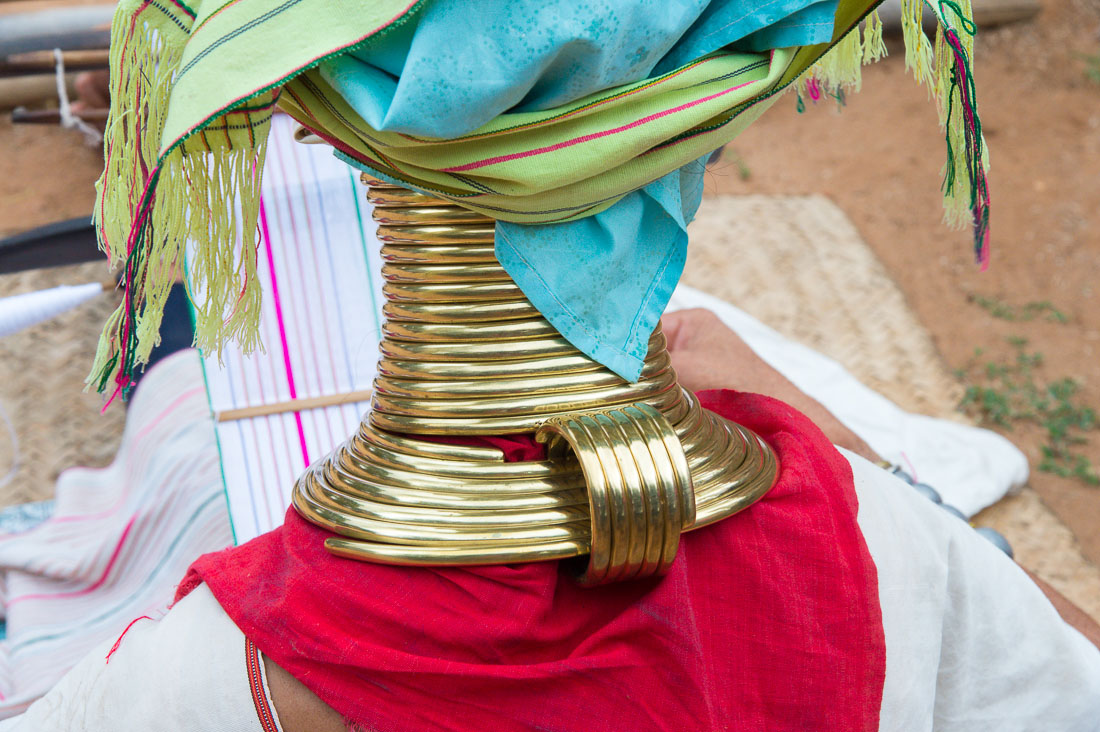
(120, 537)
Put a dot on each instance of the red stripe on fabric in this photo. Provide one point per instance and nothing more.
(591, 136)
(55, 520)
(314, 249)
(266, 322)
(256, 685)
(181, 399)
(299, 313)
(300, 323)
(282, 328)
(124, 632)
(91, 588)
(565, 115)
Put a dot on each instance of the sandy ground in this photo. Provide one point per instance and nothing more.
(879, 159)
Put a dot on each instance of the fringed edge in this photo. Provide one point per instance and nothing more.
(224, 214)
(144, 58)
(841, 69)
(213, 198)
(143, 62)
(945, 67)
(149, 204)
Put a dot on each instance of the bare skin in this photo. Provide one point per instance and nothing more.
(706, 355)
(298, 708)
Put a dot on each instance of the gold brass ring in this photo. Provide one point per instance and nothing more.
(637, 483)
(629, 467)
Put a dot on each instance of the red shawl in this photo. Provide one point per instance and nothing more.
(768, 620)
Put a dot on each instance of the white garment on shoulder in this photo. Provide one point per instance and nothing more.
(972, 644)
(184, 672)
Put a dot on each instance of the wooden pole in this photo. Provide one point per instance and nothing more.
(293, 405)
(40, 62)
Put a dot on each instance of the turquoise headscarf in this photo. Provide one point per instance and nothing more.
(602, 281)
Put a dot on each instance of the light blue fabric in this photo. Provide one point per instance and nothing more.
(752, 26)
(24, 516)
(458, 64)
(608, 306)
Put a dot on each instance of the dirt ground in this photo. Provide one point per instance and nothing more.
(879, 159)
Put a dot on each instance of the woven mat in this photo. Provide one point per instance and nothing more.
(798, 264)
(42, 372)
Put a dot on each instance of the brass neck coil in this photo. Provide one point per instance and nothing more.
(464, 353)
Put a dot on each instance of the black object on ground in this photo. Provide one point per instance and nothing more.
(54, 245)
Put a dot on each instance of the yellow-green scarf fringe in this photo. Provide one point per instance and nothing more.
(206, 190)
(933, 63)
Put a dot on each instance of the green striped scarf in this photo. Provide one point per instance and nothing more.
(193, 88)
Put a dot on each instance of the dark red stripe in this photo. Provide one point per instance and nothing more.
(256, 686)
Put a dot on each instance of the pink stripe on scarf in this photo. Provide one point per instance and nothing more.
(592, 136)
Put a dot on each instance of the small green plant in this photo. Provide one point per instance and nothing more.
(1029, 311)
(744, 172)
(1010, 393)
(1092, 66)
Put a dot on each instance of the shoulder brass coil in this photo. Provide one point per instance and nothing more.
(629, 467)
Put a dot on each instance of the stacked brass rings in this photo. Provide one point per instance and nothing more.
(465, 354)
(640, 495)
(463, 351)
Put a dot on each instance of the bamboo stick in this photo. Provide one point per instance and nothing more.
(293, 405)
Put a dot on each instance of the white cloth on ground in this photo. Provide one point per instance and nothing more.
(187, 671)
(970, 467)
(972, 645)
(120, 538)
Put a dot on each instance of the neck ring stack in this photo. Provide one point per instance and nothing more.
(629, 467)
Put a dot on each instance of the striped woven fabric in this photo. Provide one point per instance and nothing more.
(119, 539)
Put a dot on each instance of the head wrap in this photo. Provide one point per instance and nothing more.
(194, 87)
